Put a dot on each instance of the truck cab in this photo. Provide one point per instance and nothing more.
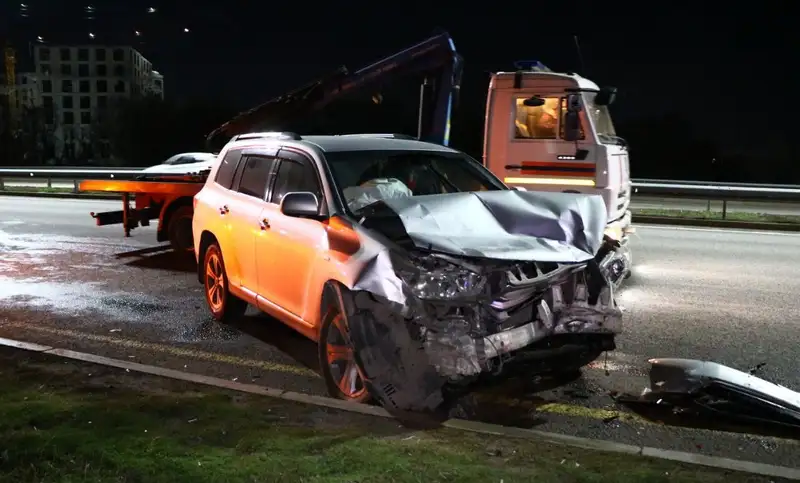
(549, 131)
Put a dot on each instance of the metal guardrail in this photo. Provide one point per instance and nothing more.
(698, 190)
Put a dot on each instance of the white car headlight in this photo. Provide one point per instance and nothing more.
(447, 283)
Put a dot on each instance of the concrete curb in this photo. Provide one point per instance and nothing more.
(743, 225)
(74, 196)
(472, 426)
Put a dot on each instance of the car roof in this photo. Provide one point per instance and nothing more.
(352, 142)
(371, 143)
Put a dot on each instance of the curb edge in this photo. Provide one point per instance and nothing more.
(463, 425)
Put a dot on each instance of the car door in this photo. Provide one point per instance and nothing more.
(244, 209)
(286, 258)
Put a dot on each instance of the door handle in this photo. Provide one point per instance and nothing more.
(223, 210)
(264, 224)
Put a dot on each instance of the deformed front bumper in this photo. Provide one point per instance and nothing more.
(463, 355)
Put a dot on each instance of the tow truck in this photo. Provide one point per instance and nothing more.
(581, 153)
(168, 197)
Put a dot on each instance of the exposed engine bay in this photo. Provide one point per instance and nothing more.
(425, 320)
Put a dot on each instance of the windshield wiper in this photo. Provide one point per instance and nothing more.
(613, 139)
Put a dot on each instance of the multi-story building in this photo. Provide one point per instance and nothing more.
(79, 81)
(28, 91)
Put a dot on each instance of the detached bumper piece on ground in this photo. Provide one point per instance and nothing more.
(708, 389)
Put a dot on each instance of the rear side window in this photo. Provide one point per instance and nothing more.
(294, 176)
(254, 176)
(227, 168)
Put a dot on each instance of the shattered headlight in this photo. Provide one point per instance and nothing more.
(443, 283)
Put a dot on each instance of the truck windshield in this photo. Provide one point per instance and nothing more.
(365, 177)
(601, 118)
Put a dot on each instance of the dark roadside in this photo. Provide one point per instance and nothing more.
(63, 420)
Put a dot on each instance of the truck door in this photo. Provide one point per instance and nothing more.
(538, 157)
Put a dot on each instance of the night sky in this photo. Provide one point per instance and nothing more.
(726, 67)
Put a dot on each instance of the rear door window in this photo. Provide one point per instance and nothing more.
(294, 175)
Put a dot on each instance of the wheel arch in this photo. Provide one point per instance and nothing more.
(206, 239)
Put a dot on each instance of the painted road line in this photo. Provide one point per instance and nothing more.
(549, 407)
(472, 426)
(172, 350)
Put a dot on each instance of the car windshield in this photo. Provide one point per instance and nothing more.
(365, 177)
(601, 117)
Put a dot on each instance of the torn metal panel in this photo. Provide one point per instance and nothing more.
(722, 389)
(505, 225)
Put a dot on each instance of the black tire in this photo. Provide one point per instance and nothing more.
(330, 321)
(224, 306)
(179, 229)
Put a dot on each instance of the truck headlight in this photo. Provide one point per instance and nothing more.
(445, 283)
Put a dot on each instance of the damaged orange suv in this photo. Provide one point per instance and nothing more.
(414, 268)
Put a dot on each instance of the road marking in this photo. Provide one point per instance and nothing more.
(172, 350)
(458, 424)
(547, 407)
(740, 231)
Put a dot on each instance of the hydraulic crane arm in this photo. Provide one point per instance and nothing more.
(434, 55)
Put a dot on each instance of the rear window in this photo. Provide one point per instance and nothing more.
(227, 169)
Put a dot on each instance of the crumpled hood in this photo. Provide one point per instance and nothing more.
(506, 225)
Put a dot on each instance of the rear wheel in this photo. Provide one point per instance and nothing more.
(337, 362)
(223, 304)
(179, 229)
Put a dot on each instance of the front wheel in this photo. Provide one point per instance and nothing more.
(337, 362)
(223, 304)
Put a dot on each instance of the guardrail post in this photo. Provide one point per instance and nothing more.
(724, 208)
(2, 186)
(709, 206)
(76, 186)
(49, 183)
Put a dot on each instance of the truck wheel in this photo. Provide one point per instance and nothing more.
(179, 229)
(223, 304)
(336, 361)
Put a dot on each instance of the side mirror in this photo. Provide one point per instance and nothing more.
(605, 96)
(574, 103)
(534, 101)
(572, 126)
(300, 204)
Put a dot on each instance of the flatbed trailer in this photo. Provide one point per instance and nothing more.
(168, 199)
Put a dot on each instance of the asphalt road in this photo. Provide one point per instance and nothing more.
(638, 202)
(725, 295)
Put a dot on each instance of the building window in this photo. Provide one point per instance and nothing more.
(69, 117)
(86, 117)
(49, 110)
(83, 70)
(119, 70)
(102, 101)
(47, 86)
(102, 70)
(83, 55)
(100, 55)
(84, 87)
(118, 55)
(46, 69)
(66, 86)
(66, 69)
(102, 86)
(86, 102)
(66, 102)
(66, 54)
(44, 54)
(119, 87)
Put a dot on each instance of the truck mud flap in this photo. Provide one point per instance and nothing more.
(393, 363)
